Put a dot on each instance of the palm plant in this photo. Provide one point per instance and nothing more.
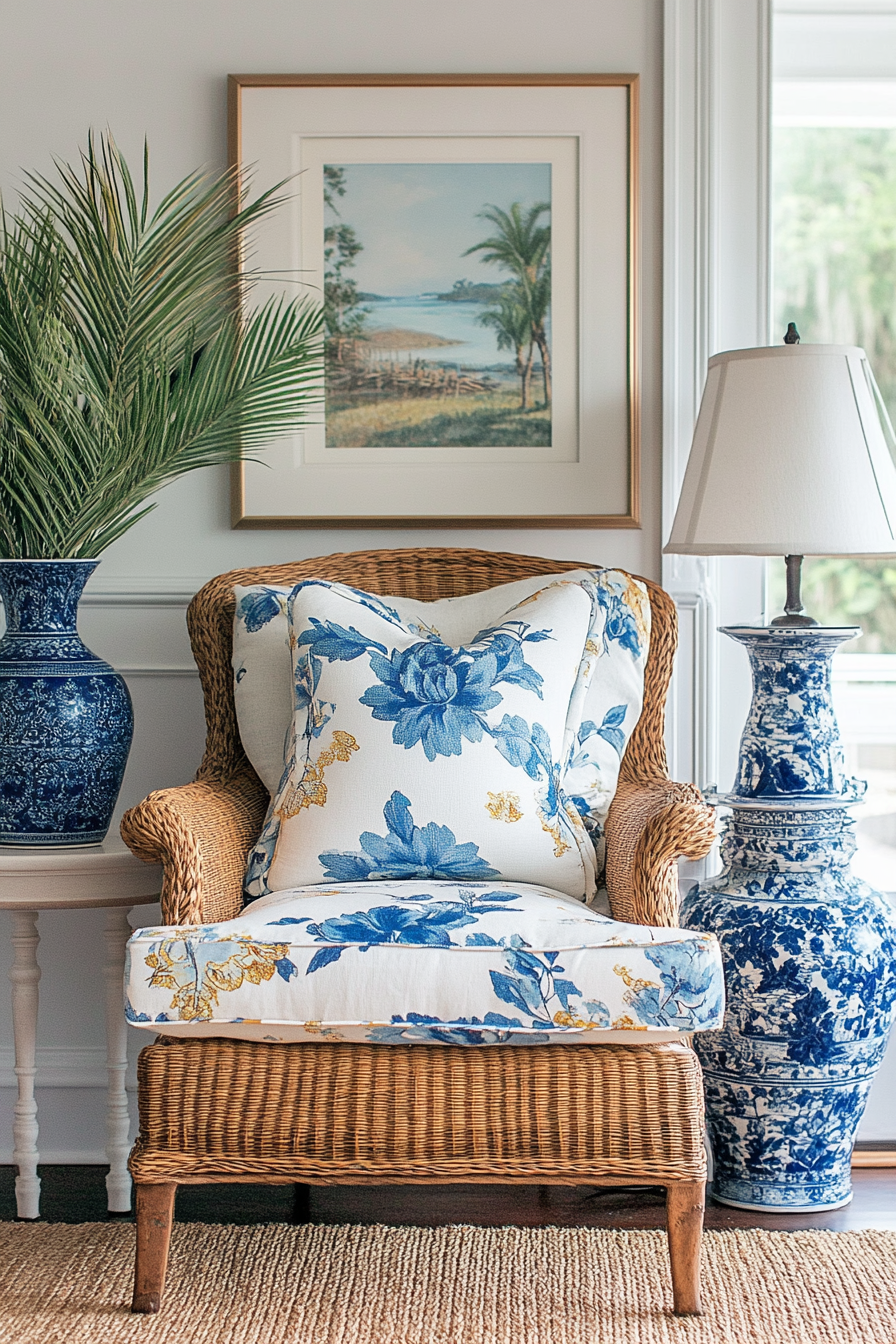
(522, 245)
(124, 359)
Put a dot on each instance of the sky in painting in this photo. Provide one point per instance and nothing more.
(416, 220)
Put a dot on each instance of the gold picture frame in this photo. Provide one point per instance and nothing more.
(585, 127)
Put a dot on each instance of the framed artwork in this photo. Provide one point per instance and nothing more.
(473, 239)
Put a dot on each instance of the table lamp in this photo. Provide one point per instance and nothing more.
(793, 454)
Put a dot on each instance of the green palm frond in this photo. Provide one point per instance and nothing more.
(125, 358)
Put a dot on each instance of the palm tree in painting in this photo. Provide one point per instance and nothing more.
(344, 318)
(522, 246)
(539, 307)
(509, 319)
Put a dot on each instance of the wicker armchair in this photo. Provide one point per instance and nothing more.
(227, 1110)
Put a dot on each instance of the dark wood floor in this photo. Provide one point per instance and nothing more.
(77, 1194)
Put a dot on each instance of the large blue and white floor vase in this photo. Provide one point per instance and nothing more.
(808, 950)
(809, 960)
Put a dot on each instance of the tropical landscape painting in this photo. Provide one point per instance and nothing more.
(437, 295)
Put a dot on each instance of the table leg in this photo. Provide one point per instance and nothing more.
(25, 974)
(118, 1119)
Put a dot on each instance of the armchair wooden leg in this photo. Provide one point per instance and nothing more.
(155, 1214)
(685, 1202)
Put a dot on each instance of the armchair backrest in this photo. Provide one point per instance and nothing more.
(426, 573)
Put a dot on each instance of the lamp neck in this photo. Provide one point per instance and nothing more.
(793, 605)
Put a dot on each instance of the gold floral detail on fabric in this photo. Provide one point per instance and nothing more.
(533, 597)
(421, 628)
(626, 1023)
(326, 1033)
(561, 846)
(633, 986)
(575, 818)
(504, 806)
(638, 604)
(311, 790)
(174, 966)
(570, 1020)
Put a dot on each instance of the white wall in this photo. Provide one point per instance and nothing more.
(158, 69)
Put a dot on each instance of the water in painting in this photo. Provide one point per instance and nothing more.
(437, 288)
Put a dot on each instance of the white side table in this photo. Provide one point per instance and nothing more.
(71, 878)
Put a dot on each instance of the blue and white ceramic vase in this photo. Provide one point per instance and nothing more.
(809, 950)
(65, 716)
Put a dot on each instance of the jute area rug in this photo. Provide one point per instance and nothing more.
(382, 1285)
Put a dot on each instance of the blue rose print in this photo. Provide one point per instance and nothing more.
(419, 920)
(406, 850)
(620, 627)
(435, 695)
(688, 982)
(255, 610)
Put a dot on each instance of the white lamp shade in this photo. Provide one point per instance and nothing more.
(791, 456)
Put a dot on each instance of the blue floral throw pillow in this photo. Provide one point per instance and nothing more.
(413, 758)
(604, 707)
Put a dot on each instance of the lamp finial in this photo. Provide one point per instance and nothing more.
(791, 335)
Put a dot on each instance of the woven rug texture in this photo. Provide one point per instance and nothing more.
(275, 1284)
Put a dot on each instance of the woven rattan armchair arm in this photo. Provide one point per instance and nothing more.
(201, 833)
(650, 827)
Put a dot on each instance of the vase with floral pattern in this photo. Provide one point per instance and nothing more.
(809, 950)
(65, 715)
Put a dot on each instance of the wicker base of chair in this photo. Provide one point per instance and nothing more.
(214, 1110)
(356, 1114)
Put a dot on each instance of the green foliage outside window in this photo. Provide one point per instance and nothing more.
(846, 592)
(835, 240)
(835, 276)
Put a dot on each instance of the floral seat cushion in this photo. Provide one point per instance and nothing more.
(474, 737)
(602, 715)
(466, 963)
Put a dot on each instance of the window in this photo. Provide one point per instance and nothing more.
(834, 274)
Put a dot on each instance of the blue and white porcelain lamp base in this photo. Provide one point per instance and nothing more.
(809, 950)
